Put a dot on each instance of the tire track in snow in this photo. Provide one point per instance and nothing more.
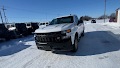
(16, 58)
(30, 62)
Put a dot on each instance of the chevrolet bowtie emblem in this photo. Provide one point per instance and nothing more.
(58, 37)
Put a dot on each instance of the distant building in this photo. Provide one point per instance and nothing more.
(118, 15)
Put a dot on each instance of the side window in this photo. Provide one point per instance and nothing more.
(81, 20)
(28, 24)
(40, 23)
(8, 26)
(46, 23)
(43, 23)
(76, 19)
(12, 26)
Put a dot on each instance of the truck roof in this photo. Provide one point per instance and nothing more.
(64, 16)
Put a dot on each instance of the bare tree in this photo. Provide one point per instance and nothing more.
(86, 17)
(112, 15)
(102, 17)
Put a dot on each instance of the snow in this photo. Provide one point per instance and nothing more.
(97, 21)
(99, 48)
(42, 26)
(113, 25)
(102, 21)
(12, 28)
(28, 26)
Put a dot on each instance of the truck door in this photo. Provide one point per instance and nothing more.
(78, 26)
(81, 26)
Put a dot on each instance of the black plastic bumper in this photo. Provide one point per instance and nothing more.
(63, 45)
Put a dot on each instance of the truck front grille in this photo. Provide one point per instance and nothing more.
(49, 37)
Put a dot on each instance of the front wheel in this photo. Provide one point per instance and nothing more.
(82, 33)
(13, 35)
(75, 45)
(7, 38)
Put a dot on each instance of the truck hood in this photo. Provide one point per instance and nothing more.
(54, 28)
(12, 28)
(42, 26)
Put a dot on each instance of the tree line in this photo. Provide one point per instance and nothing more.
(112, 15)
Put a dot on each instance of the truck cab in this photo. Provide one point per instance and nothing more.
(43, 24)
(61, 34)
(13, 30)
(4, 32)
(31, 27)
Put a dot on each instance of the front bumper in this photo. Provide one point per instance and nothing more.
(2, 38)
(63, 45)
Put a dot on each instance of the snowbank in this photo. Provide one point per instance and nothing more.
(12, 28)
(97, 21)
(102, 21)
(113, 25)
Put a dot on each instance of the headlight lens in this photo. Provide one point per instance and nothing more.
(63, 32)
(66, 37)
(66, 31)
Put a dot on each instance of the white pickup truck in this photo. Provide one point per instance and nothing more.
(62, 33)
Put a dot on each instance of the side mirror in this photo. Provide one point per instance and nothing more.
(78, 23)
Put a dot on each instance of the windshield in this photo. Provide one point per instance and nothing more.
(12, 26)
(62, 20)
(40, 23)
(43, 23)
(28, 24)
(8, 26)
(93, 20)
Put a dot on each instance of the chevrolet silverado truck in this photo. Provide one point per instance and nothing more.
(62, 34)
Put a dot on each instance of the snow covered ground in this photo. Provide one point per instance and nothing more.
(99, 21)
(99, 48)
(113, 25)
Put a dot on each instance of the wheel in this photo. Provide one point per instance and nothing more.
(75, 45)
(30, 33)
(26, 34)
(13, 35)
(7, 38)
(82, 33)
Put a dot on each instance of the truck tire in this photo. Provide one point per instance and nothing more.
(24, 31)
(75, 45)
(13, 35)
(82, 33)
(7, 38)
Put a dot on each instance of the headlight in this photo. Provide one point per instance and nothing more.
(35, 34)
(66, 31)
(66, 37)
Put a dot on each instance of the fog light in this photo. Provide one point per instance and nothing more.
(66, 37)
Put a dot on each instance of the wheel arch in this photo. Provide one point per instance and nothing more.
(73, 37)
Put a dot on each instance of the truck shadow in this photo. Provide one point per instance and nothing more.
(15, 45)
(93, 43)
